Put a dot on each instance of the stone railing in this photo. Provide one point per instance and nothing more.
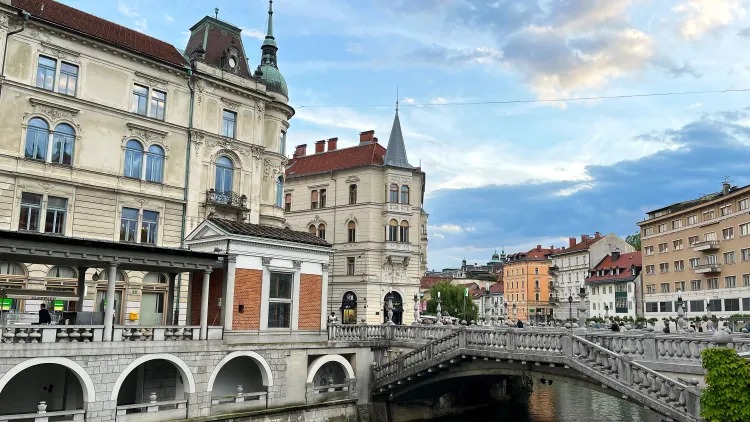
(17, 333)
(424, 355)
(168, 410)
(402, 333)
(43, 416)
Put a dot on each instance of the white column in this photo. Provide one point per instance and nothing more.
(109, 310)
(324, 298)
(229, 295)
(170, 299)
(204, 305)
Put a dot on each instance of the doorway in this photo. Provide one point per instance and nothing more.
(152, 309)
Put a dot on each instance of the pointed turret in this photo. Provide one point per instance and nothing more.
(395, 155)
(269, 69)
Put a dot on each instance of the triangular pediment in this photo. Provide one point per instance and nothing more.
(205, 230)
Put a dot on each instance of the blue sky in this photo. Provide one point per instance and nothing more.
(522, 174)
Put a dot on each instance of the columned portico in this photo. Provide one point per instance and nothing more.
(109, 309)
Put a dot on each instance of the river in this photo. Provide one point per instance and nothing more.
(561, 402)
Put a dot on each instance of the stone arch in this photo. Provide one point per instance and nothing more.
(181, 366)
(265, 369)
(236, 159)
(322, 360)
(89, 392)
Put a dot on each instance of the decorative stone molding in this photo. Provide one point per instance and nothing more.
(266, 261)
(325, 267)
(272, 170)
(212, 141)
(399, 180)
(197, 139)
(61, 53)
(147, 133)
(317, 220)
(297, 264)
(3, 21)
(230, 104)
(151, 81)
(55, 112)
(352, 179)
(260, 106)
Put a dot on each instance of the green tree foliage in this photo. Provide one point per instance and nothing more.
(452, 301)
(727, 398)
(634, 240)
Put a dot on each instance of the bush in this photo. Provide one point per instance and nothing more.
(727, 397)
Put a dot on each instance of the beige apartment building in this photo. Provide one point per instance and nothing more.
(701, 247)
(368, 202)
(109, 134)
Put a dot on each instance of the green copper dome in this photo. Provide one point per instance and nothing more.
(273, 80)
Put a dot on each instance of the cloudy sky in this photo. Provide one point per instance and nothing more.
(520, 174)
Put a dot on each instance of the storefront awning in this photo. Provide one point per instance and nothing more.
(33, 294)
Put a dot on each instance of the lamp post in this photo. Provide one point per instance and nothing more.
(709, 321)
(570, 306)
(505, 313)
(437, 311)
(680, 313)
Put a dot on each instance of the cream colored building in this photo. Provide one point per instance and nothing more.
(368, 202)
(701, 247)
(109, 134)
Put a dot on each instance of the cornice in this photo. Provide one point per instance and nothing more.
(40, 102)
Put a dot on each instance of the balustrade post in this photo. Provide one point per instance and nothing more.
(389, 332)
(462, 338)
(418, 333)
(624, 373)
(567, 344)
(650, 349)
(511, 336)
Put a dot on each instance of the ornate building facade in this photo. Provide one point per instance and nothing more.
(368, 202)
(109, 134)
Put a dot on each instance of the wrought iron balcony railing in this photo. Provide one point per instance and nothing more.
(227, 199)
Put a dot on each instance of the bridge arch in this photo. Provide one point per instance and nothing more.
(318, 363)
(87, 385)
(237, 357)
(179, 364)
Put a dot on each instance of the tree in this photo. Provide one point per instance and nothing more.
(452, 301)
(634, 240)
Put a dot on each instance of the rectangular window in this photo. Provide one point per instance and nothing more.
(692, 239)
(350, 266)
(652, 306)
(730, 282)
(696, 285)
(56, 211)
(68, 79)
(715, 305)
(128, 225)
(696, 306)
(649, 269)
(648, 231)
(676, 224)
(282, 143)
(621, 305)
(661, 228)
(322, 198)
(663, 248)
(744, 229)
(665, 287)
(694, 262)
(745, 280)
(725, 210)
(31, 210)
(314, 199)
(158, 104)
(692, 219)
(649, 250)
(743, 204)
(677, 244)
(45, 73)
(728, 233)
(729, 257)
(288, 202)
(229, 123)
(709, 237)
(679, 265)
(140, 100)
(665, 306)
(280, 300)
(651, 289)
(709, 215)
(731, 305)
(664, 267)
(149, 227)
(746, 303)
(712, 283)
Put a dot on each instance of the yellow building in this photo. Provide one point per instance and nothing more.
(527, 282)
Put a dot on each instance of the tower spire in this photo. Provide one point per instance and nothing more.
(269, 32)
(395, 154)
(397, 99)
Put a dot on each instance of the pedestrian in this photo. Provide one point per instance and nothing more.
(44, 317)
(519, 324)
(615, 327)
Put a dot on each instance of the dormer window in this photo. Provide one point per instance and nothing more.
(232, 62)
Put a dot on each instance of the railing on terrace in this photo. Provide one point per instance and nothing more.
(227, 199)
(23, 333)
(42, 416)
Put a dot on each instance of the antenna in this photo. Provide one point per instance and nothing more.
(397, 98)
(727, 180)
(216, 10)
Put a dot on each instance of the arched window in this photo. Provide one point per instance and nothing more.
(352, 194)
(224, 175)
(349, 308)
(280, 192)
(404, 194)
(288, 202)
(393, 231)
(155, 164)
(11, 268)
(63, 140)
(37, 136)
(352, 231)
(155, 278)
(536, 271)
(312, 229)
(133, 159)
(62, 272)
(394, 194)
(322, 231)
(404, 231)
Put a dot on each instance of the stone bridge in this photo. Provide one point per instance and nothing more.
(639, 366)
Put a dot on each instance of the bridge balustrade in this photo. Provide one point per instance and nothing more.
(24, 333)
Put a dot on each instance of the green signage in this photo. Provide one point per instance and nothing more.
(6, 304)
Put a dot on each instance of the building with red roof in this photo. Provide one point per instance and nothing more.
(614, 285)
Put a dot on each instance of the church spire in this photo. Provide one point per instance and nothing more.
(395, 155)
(270, 40)
(269, 69)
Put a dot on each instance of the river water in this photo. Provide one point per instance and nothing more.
(561, 402)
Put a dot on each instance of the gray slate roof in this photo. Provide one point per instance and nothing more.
(395, 156)
(268, 232)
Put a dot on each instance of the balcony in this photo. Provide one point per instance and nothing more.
(707, 268)
(392, 207)
(398, 248)
(553, 270)
(226, 199)
(706, 245)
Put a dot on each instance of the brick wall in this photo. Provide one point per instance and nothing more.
(215, 283)
(310, 293)
(247, 292)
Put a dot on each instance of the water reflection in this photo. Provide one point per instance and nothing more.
(562, 402)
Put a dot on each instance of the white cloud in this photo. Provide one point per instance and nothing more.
(169, 18)
(253, 33)
(126, 10)
(439, 100)
(139, 22)
(408, 100)
(354, 48)
(704, 16)
(438, 236)
(574, 189)
(452, 228)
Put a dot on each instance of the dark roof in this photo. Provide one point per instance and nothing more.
(396, 154)
(216, 37)
(679, 206)
(96, 27)
(360, 155)
(580, 246)
(498, 287)
(268, 232)
(624, 263)
(427, 282)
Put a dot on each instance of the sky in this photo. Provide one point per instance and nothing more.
(510, 175)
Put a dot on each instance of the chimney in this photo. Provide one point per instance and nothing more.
(366, 137)
(725, 188)
(584, 237)
(332, 144)
(597, 235)
(615, 255)
(320, 146)
(539, 247)
(301, 150)
(375, 140)
(571, 242)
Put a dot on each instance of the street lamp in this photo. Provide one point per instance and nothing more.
(570, 306)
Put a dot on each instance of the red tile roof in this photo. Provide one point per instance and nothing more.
(582, 245)
(96, 27)
(360, 155)
(427, 282)
(624, 263)
(497, 288)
